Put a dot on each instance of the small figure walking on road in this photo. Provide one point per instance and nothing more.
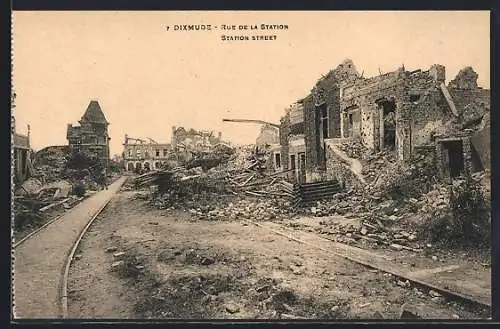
(104, 179)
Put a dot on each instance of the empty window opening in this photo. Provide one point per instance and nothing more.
(277, 160)
(147, 166)
(157, 153)
(138, 167)
(453, 158)
(324, 121)
(130, 166)
(292, 162)
(164, 152)
(389, 121)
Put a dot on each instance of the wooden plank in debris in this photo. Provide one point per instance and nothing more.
(52, 205)
(248, 180)
(253, 193)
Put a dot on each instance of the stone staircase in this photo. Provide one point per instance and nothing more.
(316, 191)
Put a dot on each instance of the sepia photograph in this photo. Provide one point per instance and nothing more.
(318, 165)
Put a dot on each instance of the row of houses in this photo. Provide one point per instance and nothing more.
(140, 154)
(398, 112)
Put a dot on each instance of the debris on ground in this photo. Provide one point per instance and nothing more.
(240, 188)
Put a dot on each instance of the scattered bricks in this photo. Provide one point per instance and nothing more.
(116, 265)
(335, 309)
(396, 247)
(111, 249)
(119, 255)
(363, 230)
(412, 237)
(79, 256)
(433, 293)
(287, 307)
(404, 284)
(207, 261)
(232, 308)
(405, 234)
(434, 258)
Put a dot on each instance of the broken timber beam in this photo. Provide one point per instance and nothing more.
(448, 98)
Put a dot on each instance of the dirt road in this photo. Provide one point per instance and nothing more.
(177, 267)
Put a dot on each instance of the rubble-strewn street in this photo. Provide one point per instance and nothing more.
(156, 264)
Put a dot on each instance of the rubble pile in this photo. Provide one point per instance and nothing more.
(33, 200)
(218, 155)
(354, 149)
(52, 185)
(239, 188)
(50, 163)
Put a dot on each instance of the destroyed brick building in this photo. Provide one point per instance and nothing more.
(140, 154)
(92, 134)
(269, 135)
(399, 112)
(310, 121)
(21, 155)
(193, 140)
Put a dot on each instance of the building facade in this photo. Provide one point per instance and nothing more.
(191, 140)
(91, 135)
(269, 135)
(396, 112)
(141, 155)
(21, 155)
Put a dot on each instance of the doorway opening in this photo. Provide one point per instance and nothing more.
(388, 124)
(293, 166)
(138, 167)
(453, 158)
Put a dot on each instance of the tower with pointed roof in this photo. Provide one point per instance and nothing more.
(92, 133)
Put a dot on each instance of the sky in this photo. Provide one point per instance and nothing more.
(148, 79)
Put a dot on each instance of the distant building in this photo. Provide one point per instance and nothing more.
(193, 140)
(22, 155)
(269, 135)
(92, 133)
(139, 154)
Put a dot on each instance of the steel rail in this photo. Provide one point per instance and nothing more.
(476, 303)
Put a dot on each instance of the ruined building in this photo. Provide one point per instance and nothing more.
(193, 140)
(139, 154)
(310, 121)
(92, 134)
(397, 112)
(21, 155)
(269, 135)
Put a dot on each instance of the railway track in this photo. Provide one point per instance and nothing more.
(477, 304)
(65, 260)
(64, 286)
